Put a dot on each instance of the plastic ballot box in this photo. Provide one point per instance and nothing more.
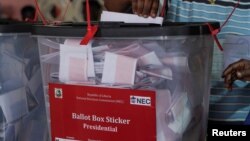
(22, 110)
(139, 82)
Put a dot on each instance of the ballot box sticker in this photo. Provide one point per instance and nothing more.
(99, 113)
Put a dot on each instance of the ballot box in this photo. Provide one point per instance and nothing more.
(22, 110)
(139, 82)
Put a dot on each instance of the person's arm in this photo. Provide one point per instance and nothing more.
(117, 5)
(143, 8)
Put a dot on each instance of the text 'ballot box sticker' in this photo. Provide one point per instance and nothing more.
(101, 113)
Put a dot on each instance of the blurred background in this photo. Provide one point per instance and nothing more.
(53, 10)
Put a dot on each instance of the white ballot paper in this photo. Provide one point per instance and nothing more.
(150, 59)
(90, 58)
(163, 103)
(119, 69)
(14, 104)
(73, 64)
(181, 114)
(129, 18)
(72, 42)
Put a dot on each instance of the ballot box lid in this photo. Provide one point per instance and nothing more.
(118, 29)
(8, 26)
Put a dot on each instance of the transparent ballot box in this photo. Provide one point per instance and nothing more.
(135, 82)
(22, 110)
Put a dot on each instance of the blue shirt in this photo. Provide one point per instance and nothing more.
(225, 106)
(213, 10)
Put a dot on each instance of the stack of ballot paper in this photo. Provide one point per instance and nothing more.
(108, 65)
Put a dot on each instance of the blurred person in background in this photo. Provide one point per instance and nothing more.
(28, 12)
(95, 10)
(12, 9)
(53, 10)
(6, 12)
(72, 10)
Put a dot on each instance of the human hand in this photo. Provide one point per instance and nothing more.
(145, 8)
(239, 70)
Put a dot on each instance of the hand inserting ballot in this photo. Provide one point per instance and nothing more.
(239, 70)
(145, 8)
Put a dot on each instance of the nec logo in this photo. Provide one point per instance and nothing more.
(139, 100)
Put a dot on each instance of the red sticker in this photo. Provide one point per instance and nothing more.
(101, 114)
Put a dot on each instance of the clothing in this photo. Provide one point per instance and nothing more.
(204, 10)
(225, 106)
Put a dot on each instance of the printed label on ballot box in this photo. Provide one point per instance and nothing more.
(88, 113)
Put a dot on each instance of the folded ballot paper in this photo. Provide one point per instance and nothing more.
(14, 104)
(76, 62)
(119, 69)
(129, 18)
(73, 64)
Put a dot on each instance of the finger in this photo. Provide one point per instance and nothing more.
(230, 78)
(154, 8)
(239, 65)
(146, 8)
(134, 6)
(229, 84)
(140, 4)
(233, 77)
(243, 75)
(227, 79)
